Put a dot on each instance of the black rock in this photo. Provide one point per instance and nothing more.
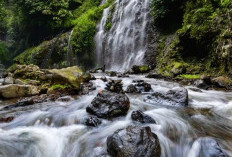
(177, 97)
(155, 76)
(115, 86)
(93, 121)
(201, 84)
(104, 79)
(141, 117)
(134, 141)
(108, 105)
(132, 89)
(140, 86)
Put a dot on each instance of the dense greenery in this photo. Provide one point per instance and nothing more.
(202, 44)
(80, 48)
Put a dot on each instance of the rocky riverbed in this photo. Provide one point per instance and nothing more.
(156, 118)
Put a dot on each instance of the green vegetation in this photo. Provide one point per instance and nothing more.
(189, 77)
(59, 86)
(202, 44)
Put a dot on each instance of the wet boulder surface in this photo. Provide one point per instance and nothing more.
(92, 121)
(134, 141)
(109, 104)
(139, 86)
(177, 96)
(141, 117)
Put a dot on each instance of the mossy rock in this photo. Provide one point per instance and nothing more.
(70, 75)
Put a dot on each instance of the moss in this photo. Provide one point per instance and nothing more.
(59, 86)
(189, 77)
(144, 68)
(201, 45)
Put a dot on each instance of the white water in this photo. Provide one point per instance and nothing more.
(124, 45)
(56, 130)
(69, 51)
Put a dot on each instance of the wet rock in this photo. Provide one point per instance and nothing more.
(141, 117)
(196, 90)
(86, 77)
(26, 71)
(155, 76)
(134, 141)
(86, 88)
(201, 84)
(140, 86)
(65, 99)
(6, 120)
(222, 82)
(132, 89)
(16, 91)
(70, 75)
(208, 147)
(177, 97)
(27, 101)
(20, 82)
(8, 80)
(108, 105)
(93, 77)
(93, 121)
(112, 73)
(114, 86)
(104, 79)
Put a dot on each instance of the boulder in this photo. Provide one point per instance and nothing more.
(108, 105)
(222, 82)
(134, 141)
(114, 86)
(25, 71)
(132, 89)
(92, 121)
(8, 80)
(15, 91)
(70, 75)
(177, 97)
(141, 117)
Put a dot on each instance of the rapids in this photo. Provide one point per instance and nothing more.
(56, 130)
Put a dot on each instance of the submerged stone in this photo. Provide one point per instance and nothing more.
(141, 117)
(177, 97)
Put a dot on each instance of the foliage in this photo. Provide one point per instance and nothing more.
(84, 31)
(167, 14)
(3, 52)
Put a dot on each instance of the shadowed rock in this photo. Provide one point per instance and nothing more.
(108, 105)
(134, 141)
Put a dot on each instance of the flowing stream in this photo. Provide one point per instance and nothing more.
(55, 129)
(124, 43)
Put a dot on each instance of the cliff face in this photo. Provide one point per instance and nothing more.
(200, 44)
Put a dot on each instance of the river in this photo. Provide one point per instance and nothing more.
(55, 129)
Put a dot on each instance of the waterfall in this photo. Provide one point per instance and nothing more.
(124, 45)
(100, 36)
(69, 51)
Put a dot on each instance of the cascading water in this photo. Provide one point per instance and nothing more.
(124, 45)
(69, 51)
